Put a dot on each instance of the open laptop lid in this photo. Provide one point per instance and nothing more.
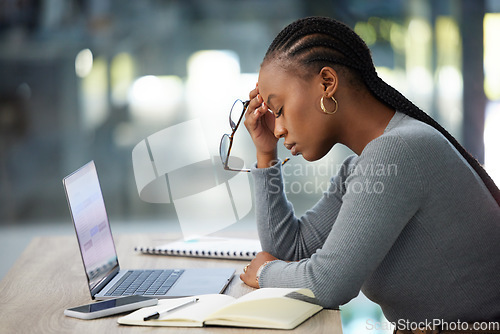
(93, 232)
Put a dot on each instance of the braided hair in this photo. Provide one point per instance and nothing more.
(316, 42)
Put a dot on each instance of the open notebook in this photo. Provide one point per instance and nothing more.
(277, 308)
(206, 246)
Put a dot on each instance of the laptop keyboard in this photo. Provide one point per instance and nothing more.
(145, 282)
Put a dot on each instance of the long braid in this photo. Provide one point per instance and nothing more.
(319, 42)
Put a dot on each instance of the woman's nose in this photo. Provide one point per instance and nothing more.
(279, 129)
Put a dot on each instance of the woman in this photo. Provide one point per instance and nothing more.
(424, 243)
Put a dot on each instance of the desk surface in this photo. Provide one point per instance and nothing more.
(49, 277)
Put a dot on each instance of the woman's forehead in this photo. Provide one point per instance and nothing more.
(277, 79)
(273, 76)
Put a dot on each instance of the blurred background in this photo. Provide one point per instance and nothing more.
(87, 80)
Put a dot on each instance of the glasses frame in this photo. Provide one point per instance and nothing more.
(234, 127)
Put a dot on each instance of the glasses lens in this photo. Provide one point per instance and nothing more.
(235, 163)
(235, 114)
(224, 148)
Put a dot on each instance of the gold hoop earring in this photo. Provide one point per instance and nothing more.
(326, 111)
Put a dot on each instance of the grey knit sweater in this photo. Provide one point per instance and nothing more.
(408, 222)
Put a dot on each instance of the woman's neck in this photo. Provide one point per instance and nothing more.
(366, 119)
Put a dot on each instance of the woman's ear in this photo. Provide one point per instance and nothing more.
(329, 81)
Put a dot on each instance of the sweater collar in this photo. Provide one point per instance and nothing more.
(398, 117)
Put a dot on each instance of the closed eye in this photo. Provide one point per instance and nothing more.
(279, 113)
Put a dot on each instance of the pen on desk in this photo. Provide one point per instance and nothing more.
(156, 315)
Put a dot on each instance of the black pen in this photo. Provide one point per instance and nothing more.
(158, 314)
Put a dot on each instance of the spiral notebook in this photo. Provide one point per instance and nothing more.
(207, 247)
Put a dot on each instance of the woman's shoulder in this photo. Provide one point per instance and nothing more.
(411, 136)
(417, 149)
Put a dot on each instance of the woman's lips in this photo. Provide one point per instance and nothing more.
(292, 148)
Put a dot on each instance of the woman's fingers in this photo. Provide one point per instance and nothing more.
(249, 274)
(255, 100)
(256, 110)
(260, 124)
(254, 104)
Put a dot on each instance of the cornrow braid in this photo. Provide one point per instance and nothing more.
(328, 45)
(319, 41)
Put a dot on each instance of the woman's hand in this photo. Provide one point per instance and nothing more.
(250, 274)
(259, 122)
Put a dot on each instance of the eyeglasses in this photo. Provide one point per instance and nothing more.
(239, 107)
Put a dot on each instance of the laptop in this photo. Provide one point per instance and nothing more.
(105, 278)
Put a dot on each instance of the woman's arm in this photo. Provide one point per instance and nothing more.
(281, 233)
(376, 207)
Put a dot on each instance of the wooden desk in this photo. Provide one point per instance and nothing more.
(49, 277)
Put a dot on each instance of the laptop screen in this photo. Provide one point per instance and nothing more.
(86, 205)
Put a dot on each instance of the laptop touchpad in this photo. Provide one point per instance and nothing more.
(201, 281)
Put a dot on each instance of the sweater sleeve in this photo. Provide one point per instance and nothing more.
(281, 233)
(343, 239)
